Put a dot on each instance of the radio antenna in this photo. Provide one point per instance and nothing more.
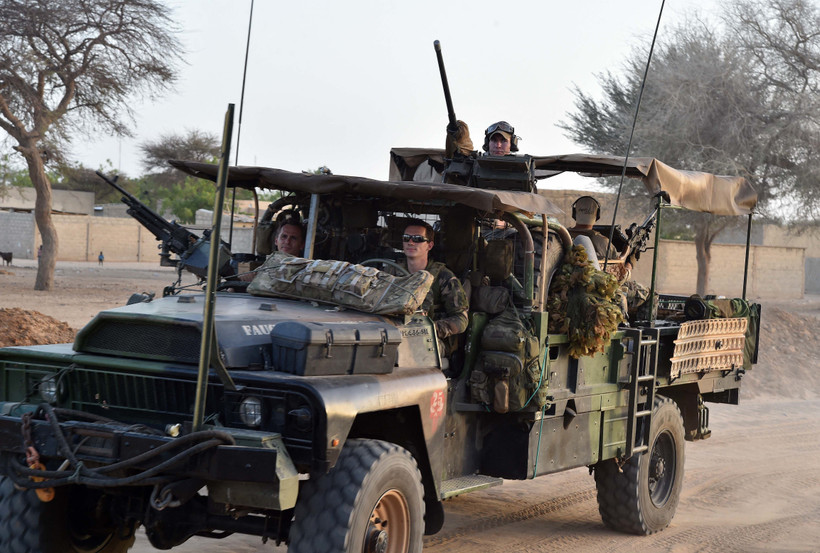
(632, 133)
(239, 125)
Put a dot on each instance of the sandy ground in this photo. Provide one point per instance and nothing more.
(753, 486)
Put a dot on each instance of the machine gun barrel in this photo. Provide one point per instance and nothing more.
(451, 114)
(638, 235)
(174, 237)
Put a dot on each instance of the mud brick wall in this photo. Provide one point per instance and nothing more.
(775, 272)
(83, 237)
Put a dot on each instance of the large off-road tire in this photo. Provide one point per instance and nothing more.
(642, 498)
(28, 525)
(370, 502)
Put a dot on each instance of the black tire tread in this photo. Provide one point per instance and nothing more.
(27, 525)
(19, 519)
(324, 513)
(619, 491)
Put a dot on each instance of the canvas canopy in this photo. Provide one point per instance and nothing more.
(484, 200)
(694, 190)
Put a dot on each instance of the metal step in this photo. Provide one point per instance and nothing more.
(466, 484)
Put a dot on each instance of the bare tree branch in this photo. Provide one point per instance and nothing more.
(743, 98)
(72, 66)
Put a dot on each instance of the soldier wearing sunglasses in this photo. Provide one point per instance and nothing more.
(446, 303)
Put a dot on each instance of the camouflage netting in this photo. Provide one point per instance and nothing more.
(583, 304)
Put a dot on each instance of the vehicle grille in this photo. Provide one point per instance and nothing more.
(106, 392)
(149, 340)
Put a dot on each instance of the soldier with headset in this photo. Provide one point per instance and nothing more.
(499, 140)
(586, 211)
(633, 295)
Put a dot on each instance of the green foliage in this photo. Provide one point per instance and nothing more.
(185, 198)
(11, 176)
(269, 196)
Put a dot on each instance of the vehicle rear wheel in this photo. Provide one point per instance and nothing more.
(59, 526)
(372, 501)
(641, 498)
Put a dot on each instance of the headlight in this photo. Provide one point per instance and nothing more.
(48, 388)
(250, 411)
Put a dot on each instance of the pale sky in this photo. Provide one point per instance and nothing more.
(339, 83)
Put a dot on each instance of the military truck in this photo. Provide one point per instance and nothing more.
(334, 428)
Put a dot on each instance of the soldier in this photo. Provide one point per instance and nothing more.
(446, 303)
(586, 211)
(290, 239)
(499, 140)
(632, 294)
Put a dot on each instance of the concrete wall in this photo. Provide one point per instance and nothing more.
(17, 234)
(62, 201)
(774, 272)
(83, 237)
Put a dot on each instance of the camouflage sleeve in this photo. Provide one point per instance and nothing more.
(454, 303)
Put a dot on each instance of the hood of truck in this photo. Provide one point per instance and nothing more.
(170, 329)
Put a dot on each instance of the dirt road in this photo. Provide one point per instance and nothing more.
(753, 486)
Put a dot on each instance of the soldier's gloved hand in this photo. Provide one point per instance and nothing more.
(458, 140)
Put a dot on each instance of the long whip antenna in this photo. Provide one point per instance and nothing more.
(632, 132)
(239, 125)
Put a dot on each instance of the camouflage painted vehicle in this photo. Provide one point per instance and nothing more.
(338, 430)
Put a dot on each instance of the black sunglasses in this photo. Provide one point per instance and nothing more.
(417, 238)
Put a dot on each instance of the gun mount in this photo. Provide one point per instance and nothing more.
(492, 172)
(193, 250)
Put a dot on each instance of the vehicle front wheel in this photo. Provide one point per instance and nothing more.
(642, 496)
(72, 522)
(372, 501)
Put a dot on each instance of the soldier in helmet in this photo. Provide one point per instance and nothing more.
(446, 303)
(499, 140)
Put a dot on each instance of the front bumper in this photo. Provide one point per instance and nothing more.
(255, 472)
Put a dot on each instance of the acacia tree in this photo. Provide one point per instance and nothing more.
(194, 145)
(741, 98)
(69, 66)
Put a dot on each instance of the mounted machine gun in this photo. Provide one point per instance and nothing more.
(193, 250)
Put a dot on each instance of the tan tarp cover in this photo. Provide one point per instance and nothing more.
(694, 190)
(485, 200)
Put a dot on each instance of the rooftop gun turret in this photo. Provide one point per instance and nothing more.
(482, 171)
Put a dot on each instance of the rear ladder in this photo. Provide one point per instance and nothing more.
(643, 372)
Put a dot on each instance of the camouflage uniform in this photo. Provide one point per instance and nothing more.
(636, 300)
(446, 302)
